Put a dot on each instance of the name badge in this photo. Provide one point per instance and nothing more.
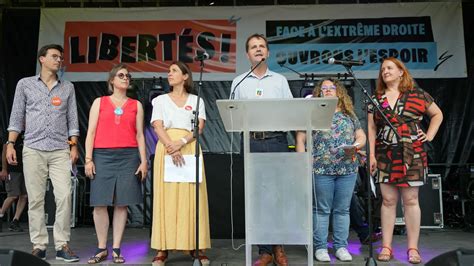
(259, 92)
(56, 101)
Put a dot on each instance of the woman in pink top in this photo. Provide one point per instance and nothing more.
(115, 160)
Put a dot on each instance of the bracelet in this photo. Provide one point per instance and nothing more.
(89, 161)
(184, 140)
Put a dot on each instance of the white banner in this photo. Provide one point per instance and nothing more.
(427, 37)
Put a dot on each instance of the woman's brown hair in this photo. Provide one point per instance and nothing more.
(113, 73)
(344, 103)
(406, 80)
(188, 83)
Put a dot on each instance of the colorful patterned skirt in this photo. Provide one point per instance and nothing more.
(391, 168)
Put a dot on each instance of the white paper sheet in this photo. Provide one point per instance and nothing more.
(372, 187)
(185, 173)
(348, 146)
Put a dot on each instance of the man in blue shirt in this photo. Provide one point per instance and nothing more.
(263, 83)
(45, 108)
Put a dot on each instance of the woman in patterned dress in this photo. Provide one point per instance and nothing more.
(401, 164)
(334, 171)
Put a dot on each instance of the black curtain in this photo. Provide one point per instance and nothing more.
(20, 29)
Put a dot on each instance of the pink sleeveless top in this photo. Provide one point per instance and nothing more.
(116, 128)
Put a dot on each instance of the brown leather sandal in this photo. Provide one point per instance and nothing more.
(279, 256)
(160, 258)
(414, 258)
(385, 256)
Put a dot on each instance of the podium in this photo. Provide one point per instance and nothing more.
(278, 185)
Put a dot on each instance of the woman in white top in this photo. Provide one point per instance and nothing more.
(174, 203)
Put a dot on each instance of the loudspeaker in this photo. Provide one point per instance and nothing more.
(460, 256)
(431, 204)
(466, 182)
(10, 257)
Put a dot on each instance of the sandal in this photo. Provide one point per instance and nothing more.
(414, 258)
(100, 255)
(201, 257)
(385, 256)
(160, 258)
(116, 256)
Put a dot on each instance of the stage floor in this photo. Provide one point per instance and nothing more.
(136, 248)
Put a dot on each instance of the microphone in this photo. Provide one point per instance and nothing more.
(202, 56)
(232, 95)
(349, 63)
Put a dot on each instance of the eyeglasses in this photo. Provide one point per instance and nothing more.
(122, 76)
(57, 57)
(327, 88)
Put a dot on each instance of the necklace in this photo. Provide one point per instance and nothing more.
(118, 111)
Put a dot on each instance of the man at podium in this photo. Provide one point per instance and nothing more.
(262, 83)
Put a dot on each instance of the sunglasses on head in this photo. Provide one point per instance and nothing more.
(326, 88)
(122, 76)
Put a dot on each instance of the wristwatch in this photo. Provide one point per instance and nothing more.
(10, 142)
(72, 142)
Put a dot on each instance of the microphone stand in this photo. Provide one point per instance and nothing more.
(195, 123)
(370, 261)
(305, 76)
(232, 95)
(294, 71)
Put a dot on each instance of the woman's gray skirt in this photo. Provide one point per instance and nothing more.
(115, 183)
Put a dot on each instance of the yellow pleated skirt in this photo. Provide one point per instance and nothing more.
(174, 205)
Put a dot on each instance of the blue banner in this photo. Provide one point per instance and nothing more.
(314, 57)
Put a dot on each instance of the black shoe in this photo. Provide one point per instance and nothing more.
(15, 226)
(39, 253)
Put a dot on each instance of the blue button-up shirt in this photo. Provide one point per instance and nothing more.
(48, 117)
(271, 86)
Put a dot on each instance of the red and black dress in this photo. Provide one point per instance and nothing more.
(401, 162)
